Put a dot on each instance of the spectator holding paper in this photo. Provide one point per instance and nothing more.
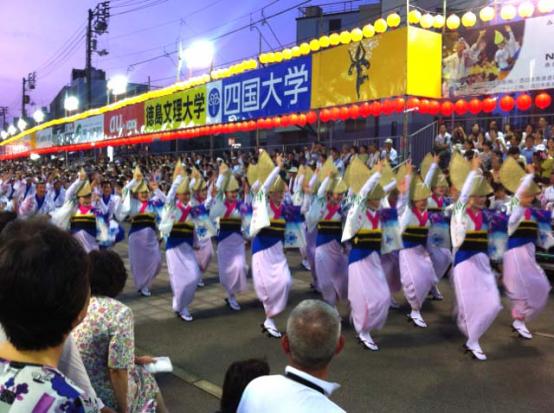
(105, 339)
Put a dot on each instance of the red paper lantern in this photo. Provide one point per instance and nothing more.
(335, 114)
(302, 120)
(543, 100)
(232, 128)
(507, 103)
(460, 107)
(388, 106)
(251, 125)
(260, 123)
(376, 108)
(365, 110)
(285, 121)
(434, 108)
(489, 104)
(354, 111)
(293, 119)
(325, 115)
(412, 103)
(524, 102)
(311, 117)
(276, 122)
(268, 123)
(399, 105)
(344, 113)
(475, 106)
(447, 108)
(424, 106)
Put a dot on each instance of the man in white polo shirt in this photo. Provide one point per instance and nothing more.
(312, 339)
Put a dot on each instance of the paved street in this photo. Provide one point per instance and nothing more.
(417, 370)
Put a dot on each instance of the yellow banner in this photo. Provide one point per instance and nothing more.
(386, 65)
(179, 110)
(424, 63)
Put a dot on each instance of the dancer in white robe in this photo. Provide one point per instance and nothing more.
(368, 290)
(231, 254)
(526, 284)
(270, 270)
(477, 296)
(177, 226)
(144, 246)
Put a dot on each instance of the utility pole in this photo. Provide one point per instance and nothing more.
(88, 65)
(29, 83)
(3, 115)
(24, 98)
(97, 25)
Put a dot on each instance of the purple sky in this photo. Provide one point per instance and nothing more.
(33, 31)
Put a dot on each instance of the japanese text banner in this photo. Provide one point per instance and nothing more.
(179, 110)
(275, 90)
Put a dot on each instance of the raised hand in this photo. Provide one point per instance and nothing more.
(475, 163)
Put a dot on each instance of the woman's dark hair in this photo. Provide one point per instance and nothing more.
(5, 218)
(107, 273)
(44, 283)
(237, 377)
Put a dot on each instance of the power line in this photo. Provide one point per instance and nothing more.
(140, 8)
(228, 33)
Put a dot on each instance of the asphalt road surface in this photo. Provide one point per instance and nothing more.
(416, 370)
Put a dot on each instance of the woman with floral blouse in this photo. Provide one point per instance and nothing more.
(105, 339)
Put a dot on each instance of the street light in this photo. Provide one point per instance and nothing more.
(199, 55)
(71, 103)
(118, 85)
(21, 124)
(12, 130)
(4, 135)
(39, 116)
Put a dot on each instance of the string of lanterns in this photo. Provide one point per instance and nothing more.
(508, 12)
(432, 107)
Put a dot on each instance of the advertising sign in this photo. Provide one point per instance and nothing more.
(370, 69)
(126, 121)
(44, 138)
(89, 129)
(63, 134)
(179, 110)
(403, 61)
(271, 91)
(510, 57)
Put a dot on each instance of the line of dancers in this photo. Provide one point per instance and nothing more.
(365, 235)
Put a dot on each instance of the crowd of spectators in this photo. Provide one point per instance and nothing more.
(532, 144)
(53, 297)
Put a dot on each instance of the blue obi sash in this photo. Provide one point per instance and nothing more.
(364, 243)
(229, 226)
(414, 236)
(475, 242)
(526, 233)
(85, 223)
(181, 232)
(141, 221)
(269, 236)
(328, 231)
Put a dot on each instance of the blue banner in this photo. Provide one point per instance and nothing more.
(271, 91)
